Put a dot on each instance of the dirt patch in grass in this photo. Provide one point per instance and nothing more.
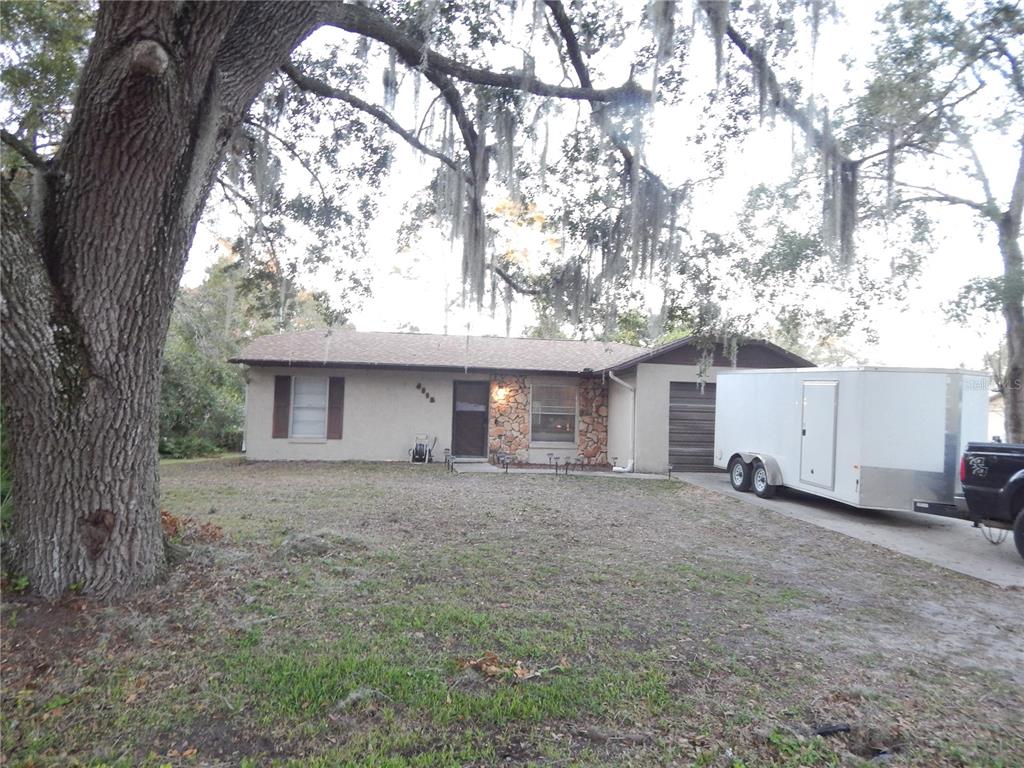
(678, 627)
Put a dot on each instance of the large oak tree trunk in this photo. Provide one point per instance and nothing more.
(1013, 314)
(90, 272)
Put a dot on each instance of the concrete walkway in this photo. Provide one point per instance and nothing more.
(462, 465)
(952, 544)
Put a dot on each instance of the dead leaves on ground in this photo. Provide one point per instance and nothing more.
(188, 527)
(494, 667)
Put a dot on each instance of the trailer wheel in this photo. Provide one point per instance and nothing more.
(739, 474)
(759, 481)
(1018, 526)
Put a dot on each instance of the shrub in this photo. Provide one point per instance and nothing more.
(188, 447)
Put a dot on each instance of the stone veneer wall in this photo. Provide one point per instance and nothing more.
(508, 430)
(593, 421)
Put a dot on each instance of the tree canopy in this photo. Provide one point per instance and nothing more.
(562, 114)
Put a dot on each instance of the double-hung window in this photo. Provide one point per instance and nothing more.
(553, 413)
(309, 406)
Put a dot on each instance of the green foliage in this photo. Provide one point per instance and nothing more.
(796, 752)
(549, 325)
(946, 79)
(632, 328)
(43, 46)
(980, 295)
(201, 402)
(202, 397)
(191, 447)
(814, 335)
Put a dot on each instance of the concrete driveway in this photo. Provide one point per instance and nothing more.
(952, 544)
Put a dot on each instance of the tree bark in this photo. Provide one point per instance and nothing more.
(1013, 305)
(89, 277)
(1013, 315)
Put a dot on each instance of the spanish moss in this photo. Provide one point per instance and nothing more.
(718, 18)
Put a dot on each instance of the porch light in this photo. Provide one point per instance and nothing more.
(499, 394)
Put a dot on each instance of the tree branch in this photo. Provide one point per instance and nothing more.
(474, 234)
(27, 302)
(294, 152)
(1016, 207)
(1016, 76)
(895, 148)
(572, 45)
(966, 143)
(320, 88)
(231, 189)
(825, 143)
(572, 48)
(512, 283)
(948, 200)
(23, 149)
(366, 21)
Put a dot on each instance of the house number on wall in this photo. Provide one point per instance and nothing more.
(424, 390)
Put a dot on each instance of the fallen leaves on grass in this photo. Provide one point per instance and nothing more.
(188, 527)
(171, 524)
(494, 667)
(631, 738)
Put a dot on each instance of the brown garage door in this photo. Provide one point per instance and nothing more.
(691, 426)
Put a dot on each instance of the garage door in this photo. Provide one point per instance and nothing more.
(691, 426)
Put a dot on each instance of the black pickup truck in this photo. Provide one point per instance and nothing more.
(992, 476)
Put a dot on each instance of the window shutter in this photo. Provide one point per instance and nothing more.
(335, 407)
(282, 405)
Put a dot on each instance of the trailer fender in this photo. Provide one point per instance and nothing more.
(770, 464)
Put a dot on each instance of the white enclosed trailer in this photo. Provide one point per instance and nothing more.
(877, 438)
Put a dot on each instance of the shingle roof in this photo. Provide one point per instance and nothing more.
(416, 350)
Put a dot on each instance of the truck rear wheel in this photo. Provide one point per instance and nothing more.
(739, 474)
(1018, 525)
(759, 481)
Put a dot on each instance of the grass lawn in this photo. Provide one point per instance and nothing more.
(392, 615)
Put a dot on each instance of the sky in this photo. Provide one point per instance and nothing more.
(420, 289)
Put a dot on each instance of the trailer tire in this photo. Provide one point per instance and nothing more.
(759, 481)
(739, 474)
(1018, 525)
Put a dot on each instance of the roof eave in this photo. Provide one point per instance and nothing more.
(688, 340)
(412, 366)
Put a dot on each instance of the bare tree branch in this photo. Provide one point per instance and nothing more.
(426, 114)
(896, 148)
(979, 169)
(514, 284)
(371, 23)
(23, 149)
(230, 190)
(320, 88)
(1016, 75)
(943, 198)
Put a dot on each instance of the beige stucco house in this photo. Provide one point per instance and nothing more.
(345, 395)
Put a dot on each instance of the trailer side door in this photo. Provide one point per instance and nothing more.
(818, 433)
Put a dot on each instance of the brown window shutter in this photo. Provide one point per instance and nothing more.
(335, 407)
(282, 405)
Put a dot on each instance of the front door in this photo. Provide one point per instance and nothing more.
(818, 433)
(469, 418)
